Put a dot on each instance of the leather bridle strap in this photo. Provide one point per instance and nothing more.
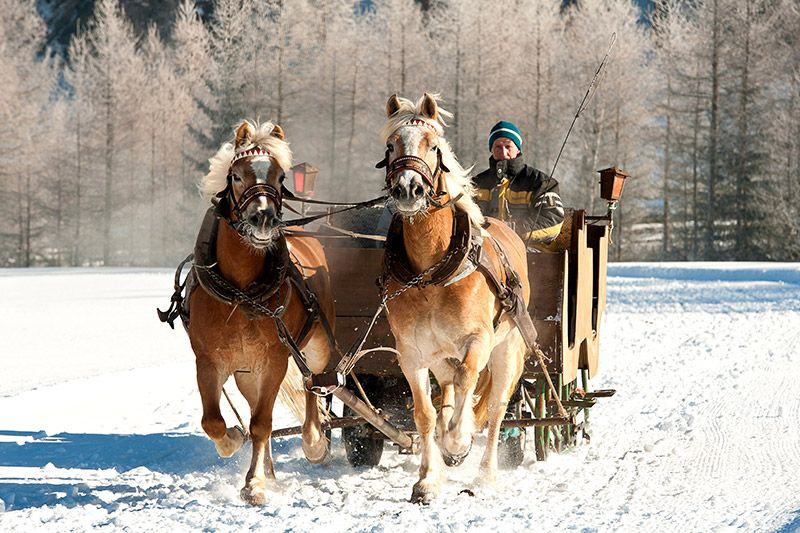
(413, 163)
(257, 190)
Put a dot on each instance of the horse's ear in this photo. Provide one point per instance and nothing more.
(392, 105)
(243, 134)
(430, 108)
(277, 131)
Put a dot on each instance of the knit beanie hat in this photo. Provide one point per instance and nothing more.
(508, 130)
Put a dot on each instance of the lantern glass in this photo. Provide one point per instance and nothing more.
(299, 181)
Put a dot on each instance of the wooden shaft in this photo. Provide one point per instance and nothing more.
(353, 402)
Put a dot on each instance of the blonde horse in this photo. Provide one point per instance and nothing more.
(455, 327)
(243, 275)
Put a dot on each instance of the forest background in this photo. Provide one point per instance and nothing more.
(111, 110)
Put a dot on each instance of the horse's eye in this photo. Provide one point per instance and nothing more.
(281, 178)
(237, 178)
(389, 148)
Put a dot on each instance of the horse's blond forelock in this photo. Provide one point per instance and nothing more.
(219, 165)
(458, 180)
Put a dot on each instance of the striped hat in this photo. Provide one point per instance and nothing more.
(505, 129)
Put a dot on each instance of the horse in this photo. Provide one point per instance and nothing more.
(250, 275)
(452, 325)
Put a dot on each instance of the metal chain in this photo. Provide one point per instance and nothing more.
(242, 296)
(416, 280)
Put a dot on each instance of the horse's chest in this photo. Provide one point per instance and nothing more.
(432, 326)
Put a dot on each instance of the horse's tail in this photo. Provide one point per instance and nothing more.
(482, 392)
(292, 394)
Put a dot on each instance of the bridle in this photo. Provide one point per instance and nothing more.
(420, 166)
(227, 204)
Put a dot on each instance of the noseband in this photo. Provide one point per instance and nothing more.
(227, 203)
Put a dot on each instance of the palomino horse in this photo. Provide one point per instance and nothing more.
(246, 274)
(453, 327)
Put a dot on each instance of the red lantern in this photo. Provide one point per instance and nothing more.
(611, 183)
(304, 176)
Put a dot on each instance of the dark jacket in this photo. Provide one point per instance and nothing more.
(524, 197)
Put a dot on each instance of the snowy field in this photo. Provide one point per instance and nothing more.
(100, 420)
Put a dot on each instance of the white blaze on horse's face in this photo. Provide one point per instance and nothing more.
(408, 189)
(261, 215)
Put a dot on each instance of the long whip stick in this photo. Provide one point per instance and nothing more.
(586, 98)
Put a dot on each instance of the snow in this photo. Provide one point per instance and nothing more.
(100, 420)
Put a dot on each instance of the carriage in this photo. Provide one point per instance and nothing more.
(568, 283)
(455, 288)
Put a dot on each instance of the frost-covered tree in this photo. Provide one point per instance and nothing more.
(25, 153)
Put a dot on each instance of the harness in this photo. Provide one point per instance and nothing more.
(262, 297)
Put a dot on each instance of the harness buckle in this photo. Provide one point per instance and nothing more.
(325, 383)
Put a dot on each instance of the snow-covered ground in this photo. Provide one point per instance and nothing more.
(100, 420)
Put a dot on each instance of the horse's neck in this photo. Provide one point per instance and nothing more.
(428, 238)
(239, 263)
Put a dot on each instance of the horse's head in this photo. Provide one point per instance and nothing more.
(251, 200)
(414, 167)
(420, 165)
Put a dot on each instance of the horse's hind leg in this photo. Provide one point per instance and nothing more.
(316, 446)
(210, 379)
(443, 370)
(315, 443)
(261, 468)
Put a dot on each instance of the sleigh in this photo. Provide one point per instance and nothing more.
(568, 284)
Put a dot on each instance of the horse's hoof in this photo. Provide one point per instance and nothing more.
(234, 438)
(253, 495)
(455, 459)
(319, 453)
(422, 495)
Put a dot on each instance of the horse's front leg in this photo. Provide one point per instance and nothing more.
(261, 468)
(431, 468)
(457, 439)
(210, 378)
(506, 366)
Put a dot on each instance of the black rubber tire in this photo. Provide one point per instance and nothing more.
(511, 450)
(360, 451)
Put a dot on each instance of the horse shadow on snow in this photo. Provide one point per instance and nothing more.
(77, 467)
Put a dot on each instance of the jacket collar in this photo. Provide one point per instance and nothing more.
(513, 167)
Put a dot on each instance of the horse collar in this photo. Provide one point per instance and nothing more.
(207, 272)
(463, 242)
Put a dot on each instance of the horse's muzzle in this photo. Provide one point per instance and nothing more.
(408, 194)
(262, 227)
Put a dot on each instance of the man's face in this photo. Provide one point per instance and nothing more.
(504, 148)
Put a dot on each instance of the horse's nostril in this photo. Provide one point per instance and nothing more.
(397, 192)
(253, 219)
(417, 190)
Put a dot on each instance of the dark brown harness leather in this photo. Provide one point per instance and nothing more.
(205, 273)
(395, 258)
(205, 266)
(466, 244)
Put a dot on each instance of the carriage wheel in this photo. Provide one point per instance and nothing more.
(361, 450)
(511, 446)
(363, 445)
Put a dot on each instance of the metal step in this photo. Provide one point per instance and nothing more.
(601, 393)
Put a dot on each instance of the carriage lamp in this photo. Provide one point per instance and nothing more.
(611, 183)
(305, 178)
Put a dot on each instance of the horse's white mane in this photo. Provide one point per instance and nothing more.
(219, 165)
(458, 179)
